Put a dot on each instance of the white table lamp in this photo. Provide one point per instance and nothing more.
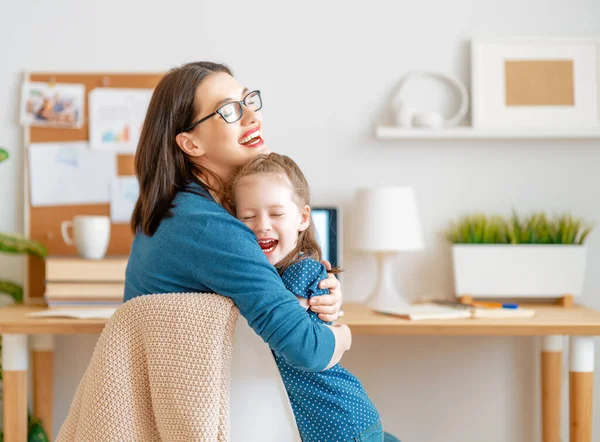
(387, 223)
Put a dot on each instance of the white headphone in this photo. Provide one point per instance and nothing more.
(408, 116)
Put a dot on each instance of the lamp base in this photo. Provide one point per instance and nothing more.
(386, 297)
(390, 304)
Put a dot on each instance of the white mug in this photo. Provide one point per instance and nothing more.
(91, 235)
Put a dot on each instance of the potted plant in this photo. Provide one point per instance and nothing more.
(532, 256)
(18, 244)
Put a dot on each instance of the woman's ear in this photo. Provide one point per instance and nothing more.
(304, 219)
(188, 145)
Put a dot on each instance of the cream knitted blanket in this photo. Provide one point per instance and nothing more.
(160, 372)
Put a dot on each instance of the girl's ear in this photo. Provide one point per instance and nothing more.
(187, 144)
(304, 219)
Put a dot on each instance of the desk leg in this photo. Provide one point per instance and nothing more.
(551, 387)
(43, 364)
(14, 380)
(581, 387)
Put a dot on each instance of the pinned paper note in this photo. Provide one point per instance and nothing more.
(69, 174)
(116, 118)
(124, 192)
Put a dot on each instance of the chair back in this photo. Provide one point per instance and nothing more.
(160, 371)
(260, 408)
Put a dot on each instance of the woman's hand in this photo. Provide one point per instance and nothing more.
(328, 306)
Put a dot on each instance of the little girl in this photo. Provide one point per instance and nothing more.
(271, 196)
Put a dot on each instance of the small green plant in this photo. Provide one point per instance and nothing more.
(19, 244)
(536, 228)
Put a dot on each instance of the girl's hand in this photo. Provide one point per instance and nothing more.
(328, 306)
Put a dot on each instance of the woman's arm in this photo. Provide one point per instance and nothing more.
(228, 260)
(342, 333)
(343, 342)
(304, 279)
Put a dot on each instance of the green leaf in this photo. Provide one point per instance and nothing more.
(36, 432)
(12, 289)
(584, 234)
(516, 229)
(3, 154)
(20, 244)
(464, 231)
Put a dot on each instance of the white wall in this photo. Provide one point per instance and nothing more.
(326, 69)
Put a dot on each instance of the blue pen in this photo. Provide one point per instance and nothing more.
(513, 306)
(495, 305)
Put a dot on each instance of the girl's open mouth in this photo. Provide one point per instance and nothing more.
(267, 245)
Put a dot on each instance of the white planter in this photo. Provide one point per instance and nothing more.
(506, 270)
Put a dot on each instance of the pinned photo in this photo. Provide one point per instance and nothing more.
(52, 104)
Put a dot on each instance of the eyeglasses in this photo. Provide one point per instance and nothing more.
(233, 111)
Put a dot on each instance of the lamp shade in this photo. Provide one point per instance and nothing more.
(387, 220)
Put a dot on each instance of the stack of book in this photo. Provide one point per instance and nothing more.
(78, 282)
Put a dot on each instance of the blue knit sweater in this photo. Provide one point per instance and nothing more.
(202, 248)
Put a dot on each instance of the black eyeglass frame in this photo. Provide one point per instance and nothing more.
(218, 111)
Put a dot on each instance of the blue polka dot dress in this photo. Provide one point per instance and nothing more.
(329, 406)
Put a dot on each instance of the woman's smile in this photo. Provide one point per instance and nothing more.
(252, 138)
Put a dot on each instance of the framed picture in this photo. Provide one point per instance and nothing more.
(535, 82)
(328, 227)
(54, 105)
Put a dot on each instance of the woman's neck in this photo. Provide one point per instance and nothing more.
(215, 179)
(210, 185)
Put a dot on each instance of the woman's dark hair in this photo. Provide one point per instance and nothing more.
(161, 167)
(283, 166)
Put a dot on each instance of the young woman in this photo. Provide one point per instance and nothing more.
(271, 196)
(200, 128)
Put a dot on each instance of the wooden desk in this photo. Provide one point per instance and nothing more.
(550, 322)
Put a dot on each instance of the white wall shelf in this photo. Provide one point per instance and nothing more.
(465, 133)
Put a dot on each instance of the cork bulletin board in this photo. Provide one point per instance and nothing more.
(43, 223)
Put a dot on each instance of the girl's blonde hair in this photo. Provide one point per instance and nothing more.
(307, 245)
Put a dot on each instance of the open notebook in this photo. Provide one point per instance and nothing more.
(450, 310)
